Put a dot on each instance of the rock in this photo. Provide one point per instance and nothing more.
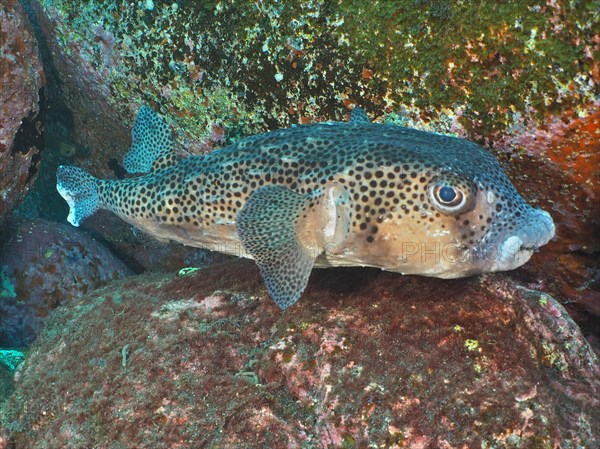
(365, 359)
(566, 155)
(43, 265)
(7, 385)
(235, 66)
(21, 96)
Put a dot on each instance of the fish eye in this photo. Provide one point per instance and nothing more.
(447, 194)
(450, 199)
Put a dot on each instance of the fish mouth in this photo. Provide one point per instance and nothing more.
(518, 248)
(530, 247)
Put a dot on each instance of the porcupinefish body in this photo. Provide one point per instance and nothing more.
(328, 194)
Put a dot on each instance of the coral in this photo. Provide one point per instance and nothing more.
(365, 359)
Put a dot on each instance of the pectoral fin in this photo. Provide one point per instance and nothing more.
(285, 232)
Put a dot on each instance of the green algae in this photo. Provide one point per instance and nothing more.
(495, 59)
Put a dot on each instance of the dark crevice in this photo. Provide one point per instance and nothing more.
(30, 133)
(117, 168)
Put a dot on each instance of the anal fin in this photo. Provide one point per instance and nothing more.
(285, 232)
(146, 239)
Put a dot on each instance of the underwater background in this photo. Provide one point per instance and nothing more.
(158, 345)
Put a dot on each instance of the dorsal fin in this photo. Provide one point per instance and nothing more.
(358, 115)
(151, 144)
(286, 231)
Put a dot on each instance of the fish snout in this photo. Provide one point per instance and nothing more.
(538, 230)
(533, 232)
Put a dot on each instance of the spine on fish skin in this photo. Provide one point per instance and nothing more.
(80, 191)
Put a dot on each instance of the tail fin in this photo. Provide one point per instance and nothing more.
(80, 191)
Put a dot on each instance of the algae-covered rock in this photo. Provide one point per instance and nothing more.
(21, 84)
(262, 64)
(45, 264)
(7, 386)
(365, 359)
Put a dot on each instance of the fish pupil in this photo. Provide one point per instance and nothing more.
(447, 194)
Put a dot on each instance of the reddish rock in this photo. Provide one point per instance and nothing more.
(43, 265)
(365, 359)
(21, 83)
(557, 167)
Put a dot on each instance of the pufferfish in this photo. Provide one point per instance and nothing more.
(322, 195)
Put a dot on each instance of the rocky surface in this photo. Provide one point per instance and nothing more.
(43, 265)
(365, 359)
(6, 384)
(21, 96)
(519, 78)
(566, 186)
